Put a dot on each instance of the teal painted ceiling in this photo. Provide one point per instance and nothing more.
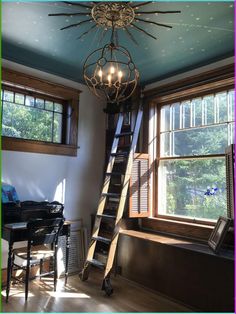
(202, 33)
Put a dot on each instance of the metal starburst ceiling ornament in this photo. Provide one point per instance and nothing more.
(120, 15)
(111, 69)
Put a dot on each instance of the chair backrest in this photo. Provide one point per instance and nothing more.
(44, 231)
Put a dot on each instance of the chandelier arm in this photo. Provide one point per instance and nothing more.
(152, 22)
(112, 32)
(141, 4)
(142, 30)
(160, 12)
(77, 24)
(88, 31)
(116, 37)
(104, 31)
(131, 36)
(78, 4)
(68, 14)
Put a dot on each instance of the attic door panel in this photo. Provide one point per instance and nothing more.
(139, 187)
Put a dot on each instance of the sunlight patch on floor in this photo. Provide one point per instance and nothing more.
(16, 293)
(60, 294)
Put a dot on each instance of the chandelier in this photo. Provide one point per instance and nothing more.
(110, 71)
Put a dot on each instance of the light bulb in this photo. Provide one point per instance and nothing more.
(109, 80)
(112, 70)
(120, 74)
(100, 73)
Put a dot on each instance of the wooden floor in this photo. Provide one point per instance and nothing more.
(87, 296)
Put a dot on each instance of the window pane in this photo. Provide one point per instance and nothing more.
(39, 103)
(186, 114)
(29, 101)
(19, 99)
(192, 188)
(202, 141)
(197, 112)
(49, 105)
(176, 116)
(165, 145)
(58, 107)
(208, 103)
(231, 105)
(165, 118)
(221, 103)
(57, 130)
(231, 133)
(8, 96)
(26, 122)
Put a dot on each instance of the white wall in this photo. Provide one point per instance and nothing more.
(75, 181)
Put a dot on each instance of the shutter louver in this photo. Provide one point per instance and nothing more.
(139, 204)
(229, 162)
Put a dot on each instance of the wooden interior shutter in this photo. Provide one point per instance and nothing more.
(138, 201)
(229, 162)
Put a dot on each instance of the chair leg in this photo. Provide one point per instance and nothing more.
(40, 268)
(55, 268)
(27, 274)
(9, 270)
(9, 274)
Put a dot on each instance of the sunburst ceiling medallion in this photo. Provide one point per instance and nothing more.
(114, 15)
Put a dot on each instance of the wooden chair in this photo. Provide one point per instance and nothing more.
(42, 245)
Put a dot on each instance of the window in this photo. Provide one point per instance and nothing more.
(38, 116)
(191, 167)
(32, 117)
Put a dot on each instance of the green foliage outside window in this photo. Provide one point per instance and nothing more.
(26, 118)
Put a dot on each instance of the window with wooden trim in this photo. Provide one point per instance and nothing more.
(38, 116)
(193, 135)
(33, 117)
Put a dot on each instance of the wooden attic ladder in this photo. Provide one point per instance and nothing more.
(118, 198)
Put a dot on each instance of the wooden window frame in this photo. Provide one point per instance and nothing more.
(192, 87)
(69, 96)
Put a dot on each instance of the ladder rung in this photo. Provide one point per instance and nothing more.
(106, 216)
(114, 174)
(102, 239)
(96, 263)
(124, 134)
(122, 154)
(124, 146)
(116, 195)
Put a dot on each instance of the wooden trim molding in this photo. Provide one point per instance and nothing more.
(194, 83)
(21, 145)
(38, 85)
(178, 228)
(68, 95)
(196, 91)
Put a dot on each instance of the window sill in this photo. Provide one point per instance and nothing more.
(21, 145)
(178, 243)
(185, 229)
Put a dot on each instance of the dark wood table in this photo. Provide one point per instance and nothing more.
(16, 232)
